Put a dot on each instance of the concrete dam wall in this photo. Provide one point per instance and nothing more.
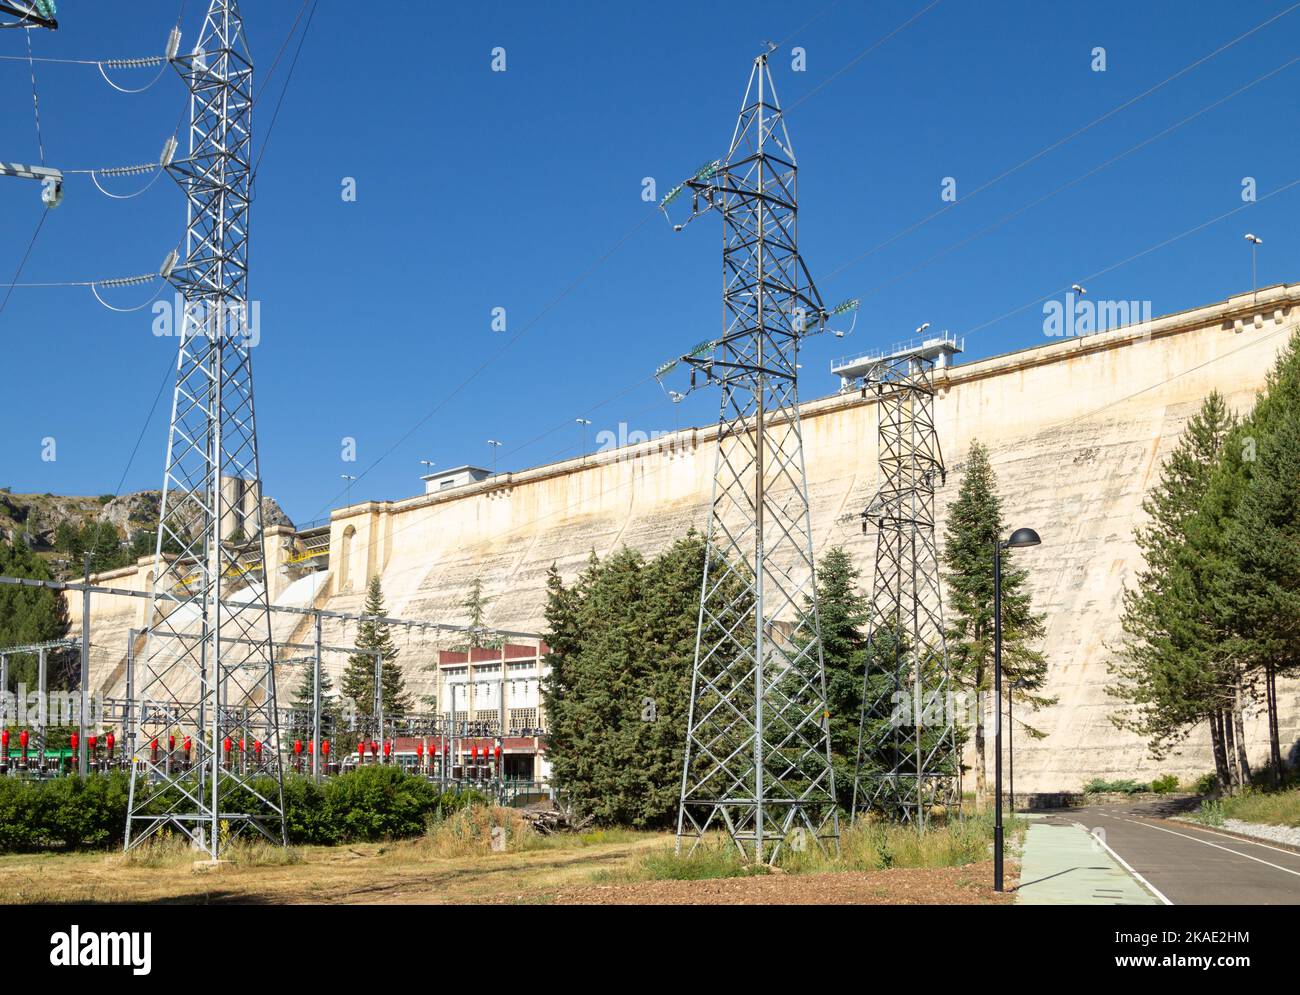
(1077, 430)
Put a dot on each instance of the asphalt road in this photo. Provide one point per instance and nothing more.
(1188, 865)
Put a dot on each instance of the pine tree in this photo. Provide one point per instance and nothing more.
(564, 642)
(672, 608)
(1171, 667)
(67, 540)
(475, 605)
(1261, 580)
(331, 718)
(844, 613)
(622, 645)
(32, 615)
(974, 525)
(359, 677)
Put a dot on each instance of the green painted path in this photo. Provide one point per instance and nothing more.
(1063, 865)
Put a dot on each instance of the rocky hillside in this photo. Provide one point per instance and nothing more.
(37, 516)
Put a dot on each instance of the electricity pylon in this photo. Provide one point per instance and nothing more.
(908, 764)
(208, 673)
(33, 14)
(30, 14)
(757, 763)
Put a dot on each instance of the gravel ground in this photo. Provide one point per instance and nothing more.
(1290, 835)
(969, 885)
(1286, 835)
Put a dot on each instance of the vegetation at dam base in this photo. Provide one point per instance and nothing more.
(1214, 617)
(1211, 623)
(364, 805)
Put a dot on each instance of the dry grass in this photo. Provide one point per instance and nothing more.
(407, 872)
(454, 863)
(1274, 808)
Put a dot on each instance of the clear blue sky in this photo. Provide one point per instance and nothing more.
(522, 190)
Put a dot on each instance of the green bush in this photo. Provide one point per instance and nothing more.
(1206, 784)
(306, 812)
(1209, 814)
(89, 812)
(1124, 786)
(23, 816)
(373, 803)
(1164, 784)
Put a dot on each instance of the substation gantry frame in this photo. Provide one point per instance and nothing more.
(908, 763)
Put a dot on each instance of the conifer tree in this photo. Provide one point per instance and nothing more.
(843, 611)
(974, 525)
(304, 701)
(32, 615)
(672, 607)
(622, 646)
(1261, 580)
(359, 677)
(1171, 667)
(475, 605)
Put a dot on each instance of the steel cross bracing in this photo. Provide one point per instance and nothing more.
(221, 683)
(757, 760)
(30, 14)
(908, 764)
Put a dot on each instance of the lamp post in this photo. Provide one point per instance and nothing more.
(1016, 685)
(495, 446)
(1019, 539)
(1255, 241)
(584, 422)
(351, 480)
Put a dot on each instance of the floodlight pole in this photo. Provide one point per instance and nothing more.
(997, 713)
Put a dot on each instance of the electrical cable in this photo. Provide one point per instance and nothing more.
(36, 103)
(581, 277)
(1137, 255)
(1078, 179)
(863, 54)
(587, 500)
(283, 90)
(23, 262)
(1051, 147)
(168, 373)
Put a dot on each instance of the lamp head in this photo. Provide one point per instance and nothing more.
(1021, 538)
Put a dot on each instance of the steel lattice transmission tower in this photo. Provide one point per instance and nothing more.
(757, 763)
(207, 672)
(30, 14)
(908, 761)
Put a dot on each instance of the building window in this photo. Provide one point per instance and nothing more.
(522, 719)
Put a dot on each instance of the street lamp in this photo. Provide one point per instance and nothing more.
(1019, 539)
(584, 422)
(350, 479)
(1020, 682)
(495, 446)
(1255, 241)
